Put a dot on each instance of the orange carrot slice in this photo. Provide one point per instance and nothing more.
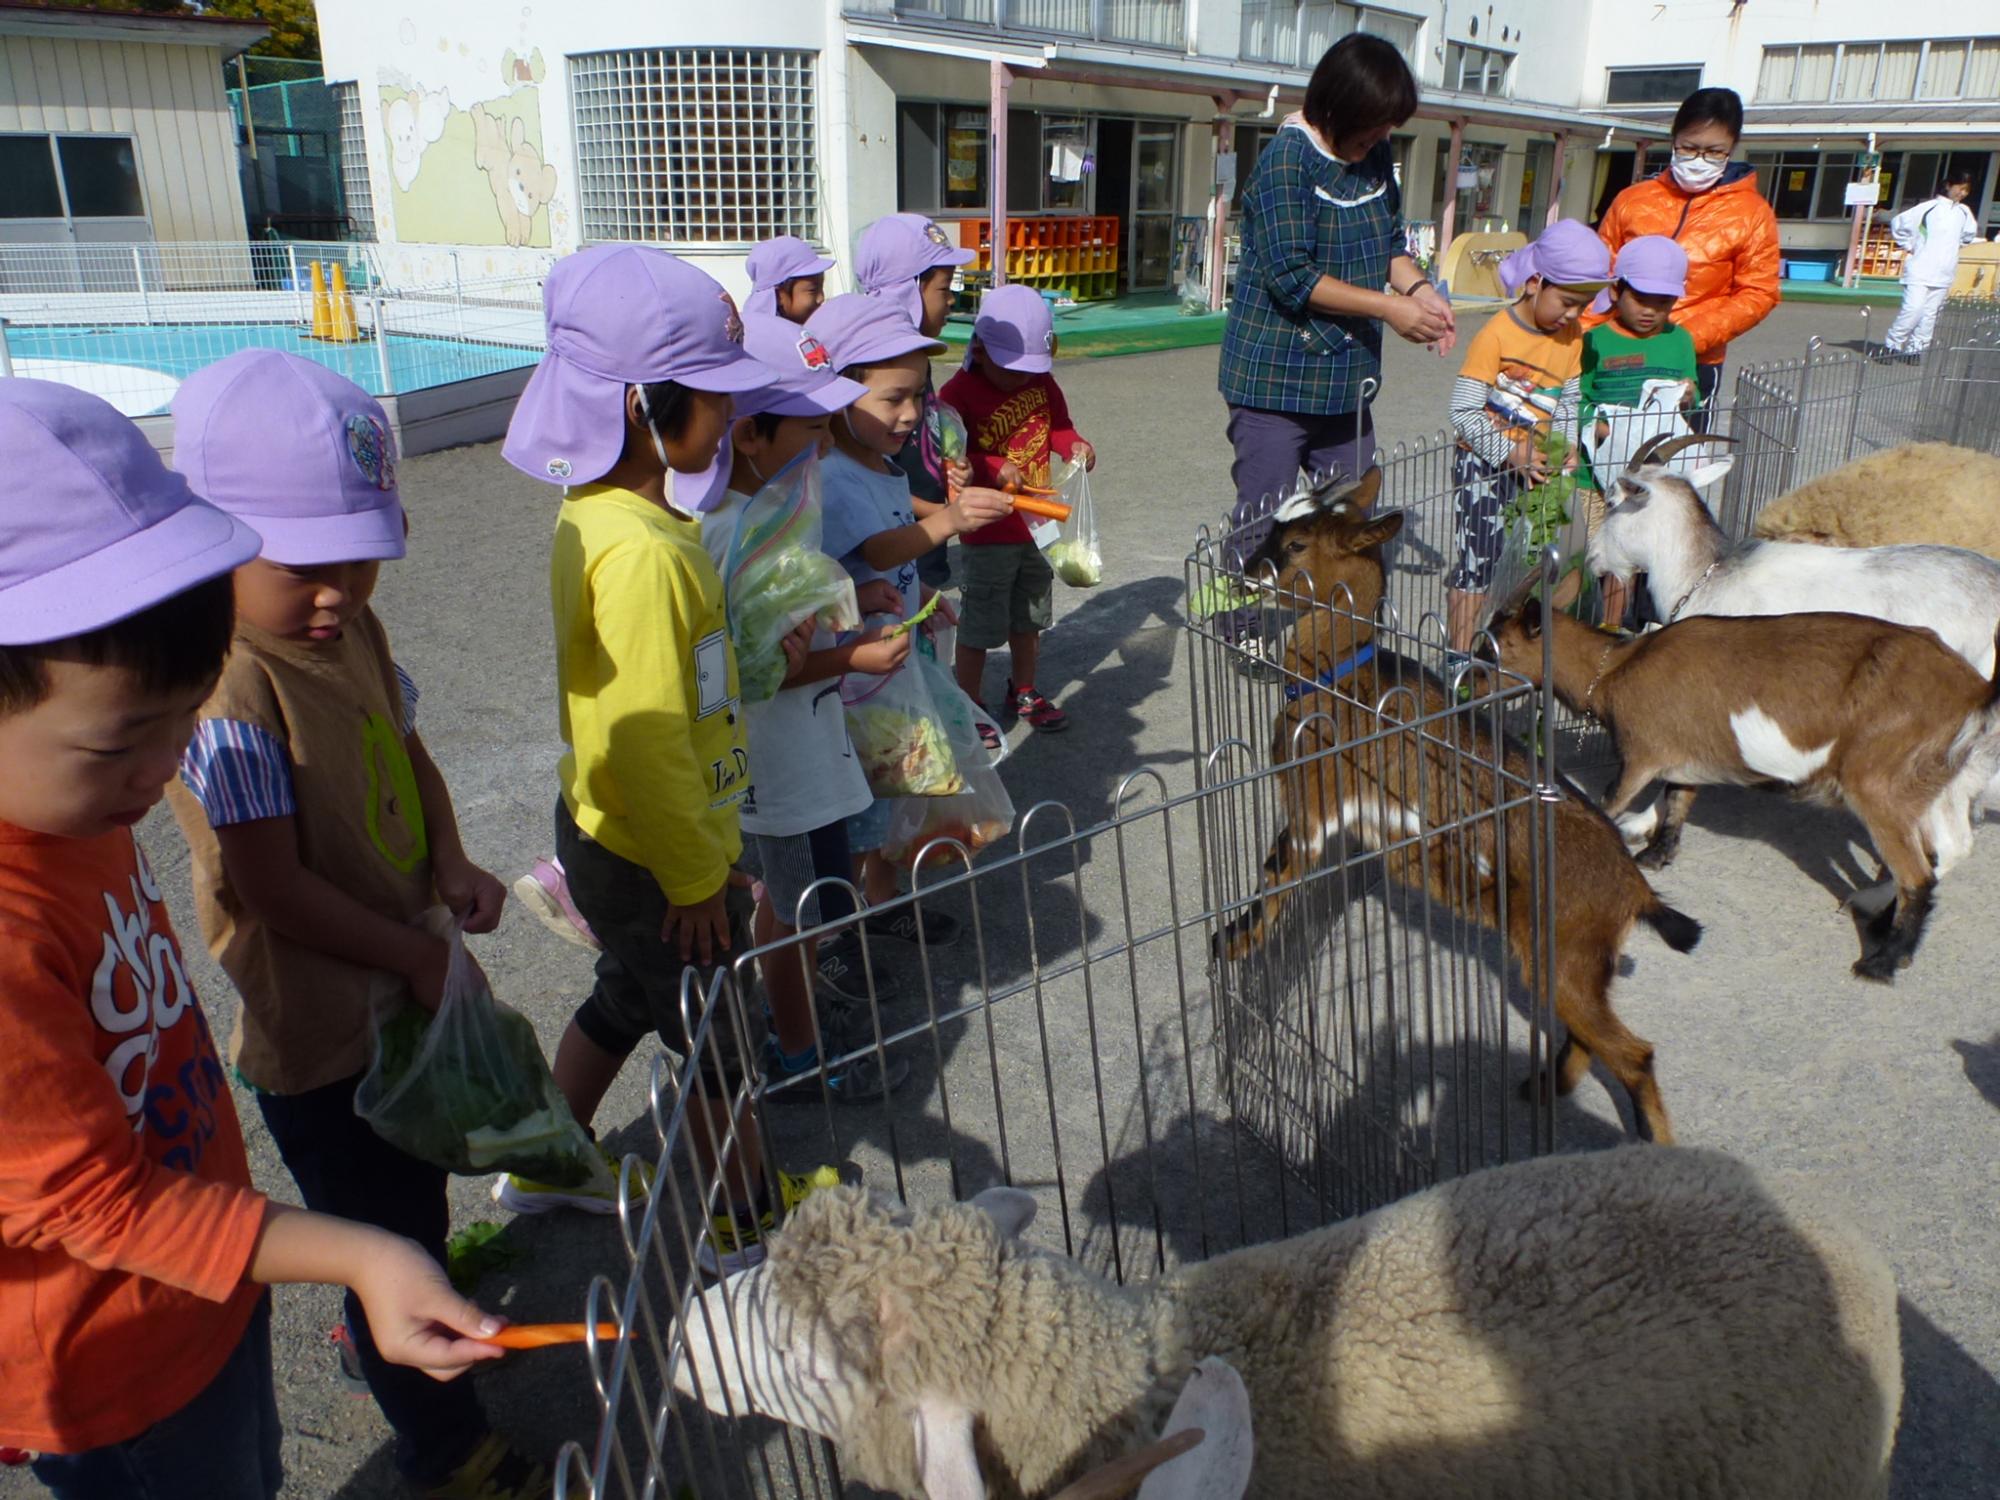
(544, 1335)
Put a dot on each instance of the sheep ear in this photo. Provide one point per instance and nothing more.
(1010, 1209)
(947, 1459)
(1214, 1403)
(1712, 472)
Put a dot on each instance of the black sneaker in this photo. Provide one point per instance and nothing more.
(844, 981)
(912, 924)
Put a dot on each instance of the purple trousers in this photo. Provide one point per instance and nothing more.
(1272, 447)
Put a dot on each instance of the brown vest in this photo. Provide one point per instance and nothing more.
(338, 711)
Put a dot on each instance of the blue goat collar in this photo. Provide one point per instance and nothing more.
(1295, 691)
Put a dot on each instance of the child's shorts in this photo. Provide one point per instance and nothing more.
(867, 829)
(1006, 589)
(1479, 527)
(791, 862)
(638, 987)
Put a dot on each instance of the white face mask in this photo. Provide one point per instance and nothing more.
(1698, 174)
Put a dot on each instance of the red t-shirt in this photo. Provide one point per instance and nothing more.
(126, 1211)
(1024, 425)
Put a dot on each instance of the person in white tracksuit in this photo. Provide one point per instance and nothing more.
(1930, 234)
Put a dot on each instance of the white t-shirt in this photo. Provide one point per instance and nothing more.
(1932, 232)
(858, 502)
(803, 774)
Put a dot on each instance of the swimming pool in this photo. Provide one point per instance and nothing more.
(138, 367)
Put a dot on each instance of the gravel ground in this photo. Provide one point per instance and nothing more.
(1767, 1047)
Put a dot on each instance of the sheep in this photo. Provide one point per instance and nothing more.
(1921, 492)
(1203, 1452)
(1840, 708)
(1419, 791)
(1633, 1322)
(1656, 524)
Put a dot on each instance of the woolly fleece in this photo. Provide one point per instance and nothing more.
(1920, 492)
(1635, 1323)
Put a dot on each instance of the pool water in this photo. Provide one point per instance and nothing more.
(137, 368)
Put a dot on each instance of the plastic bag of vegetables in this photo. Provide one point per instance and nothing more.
(897, 735)
(1076, 556)
(979, 813)
(467, 1089)
(775, 578)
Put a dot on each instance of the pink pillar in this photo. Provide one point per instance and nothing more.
(1448, 214)
(1556, 180)
(1218, 232)
(1638, 161)
(1002, 79)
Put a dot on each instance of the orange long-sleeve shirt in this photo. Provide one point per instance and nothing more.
(127, 1219)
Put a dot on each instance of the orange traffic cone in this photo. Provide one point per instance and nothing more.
(322, 308)
(344, 330)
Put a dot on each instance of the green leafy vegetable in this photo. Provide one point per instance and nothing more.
(929, 608)
(476, 1249)
(1219, 596)
(770, 597)
(1546, 506)
(1076, 563)
(903, 755)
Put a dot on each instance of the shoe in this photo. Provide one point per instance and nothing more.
(845, 981)
(911, 924)
(989, 738)
(545, 893)
(1257, 659)
(521, 1195)
(860, 1079)
(1037, 710)
(496, 1471)
(347, 1360)
(733, 1243)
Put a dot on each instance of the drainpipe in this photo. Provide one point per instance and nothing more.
(1001, 79)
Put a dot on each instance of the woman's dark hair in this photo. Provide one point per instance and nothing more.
(669, 404)
(1958, 177)
(178, 644)
(1722, 107)
(1361, 83)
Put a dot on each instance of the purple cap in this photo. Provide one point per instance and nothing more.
(774, 262)
(857, 329)
(99, 529)
(1016, 329)
(1567, 254)
(1652, 263)
(895, 250)
(301, 454)
(807, 386)
(618, 316)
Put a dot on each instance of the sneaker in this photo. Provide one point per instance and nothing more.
(1257, 658)
(347, 1360)
(733, 1243)
(1037, 710)
(844, 980)
(496, 1471)
(545, 893)
(860, 1079)
(522, 1195)
(913, 924)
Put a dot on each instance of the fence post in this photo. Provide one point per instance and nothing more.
(139, 274)
(298, 295)
(382, 349)
(6, 354)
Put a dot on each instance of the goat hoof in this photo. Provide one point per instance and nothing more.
(1654, 857)
(1879, 966)
(1238, 940)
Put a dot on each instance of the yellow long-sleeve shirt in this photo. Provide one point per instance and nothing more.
(656, 761)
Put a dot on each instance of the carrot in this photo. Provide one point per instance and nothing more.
(543, 1335)
(1055, 510)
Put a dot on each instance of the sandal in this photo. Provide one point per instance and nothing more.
(1041, 714)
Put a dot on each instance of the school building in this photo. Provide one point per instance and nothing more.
(483, 140)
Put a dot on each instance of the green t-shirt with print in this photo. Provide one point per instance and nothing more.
(1616, 366)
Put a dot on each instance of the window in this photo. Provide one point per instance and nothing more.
(1476, 70)
(941, 158)
(1848, 72)
(695, 145)
(1401, 31)
(1294, 33)
(70, 176)
(1650, 85)
(1813, 185)
(356, 192)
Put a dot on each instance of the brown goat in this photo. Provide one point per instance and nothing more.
(1843, 709)
(1414, 789)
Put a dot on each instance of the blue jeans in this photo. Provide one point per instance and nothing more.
(223, 1445)
(343, 1167)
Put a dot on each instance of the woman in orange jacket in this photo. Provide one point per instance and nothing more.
(1710, 206)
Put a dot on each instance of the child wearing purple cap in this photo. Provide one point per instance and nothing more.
(1519, 380)
(872, 526)
(805, 782)
(1641, 343)
(1015, 417)
(909, 260)
(645, 355)
(787, 278)
(134, 1327)
(321, 830)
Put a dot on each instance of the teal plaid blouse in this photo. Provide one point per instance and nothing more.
(1306, 215)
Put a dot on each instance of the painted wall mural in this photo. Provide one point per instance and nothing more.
(466, 161)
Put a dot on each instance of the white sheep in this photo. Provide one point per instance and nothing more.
(1919, 493)
(1643, 1322)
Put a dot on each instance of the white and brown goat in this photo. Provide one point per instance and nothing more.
(1841, 709)
(1412, 790)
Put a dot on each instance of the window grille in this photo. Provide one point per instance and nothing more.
(355, 188)
(696, 145)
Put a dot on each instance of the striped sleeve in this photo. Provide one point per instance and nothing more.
(238, 772)
(1474, 427)
(408, 687)
(1568, 406)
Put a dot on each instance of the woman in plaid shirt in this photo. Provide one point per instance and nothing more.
(1322, 237)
